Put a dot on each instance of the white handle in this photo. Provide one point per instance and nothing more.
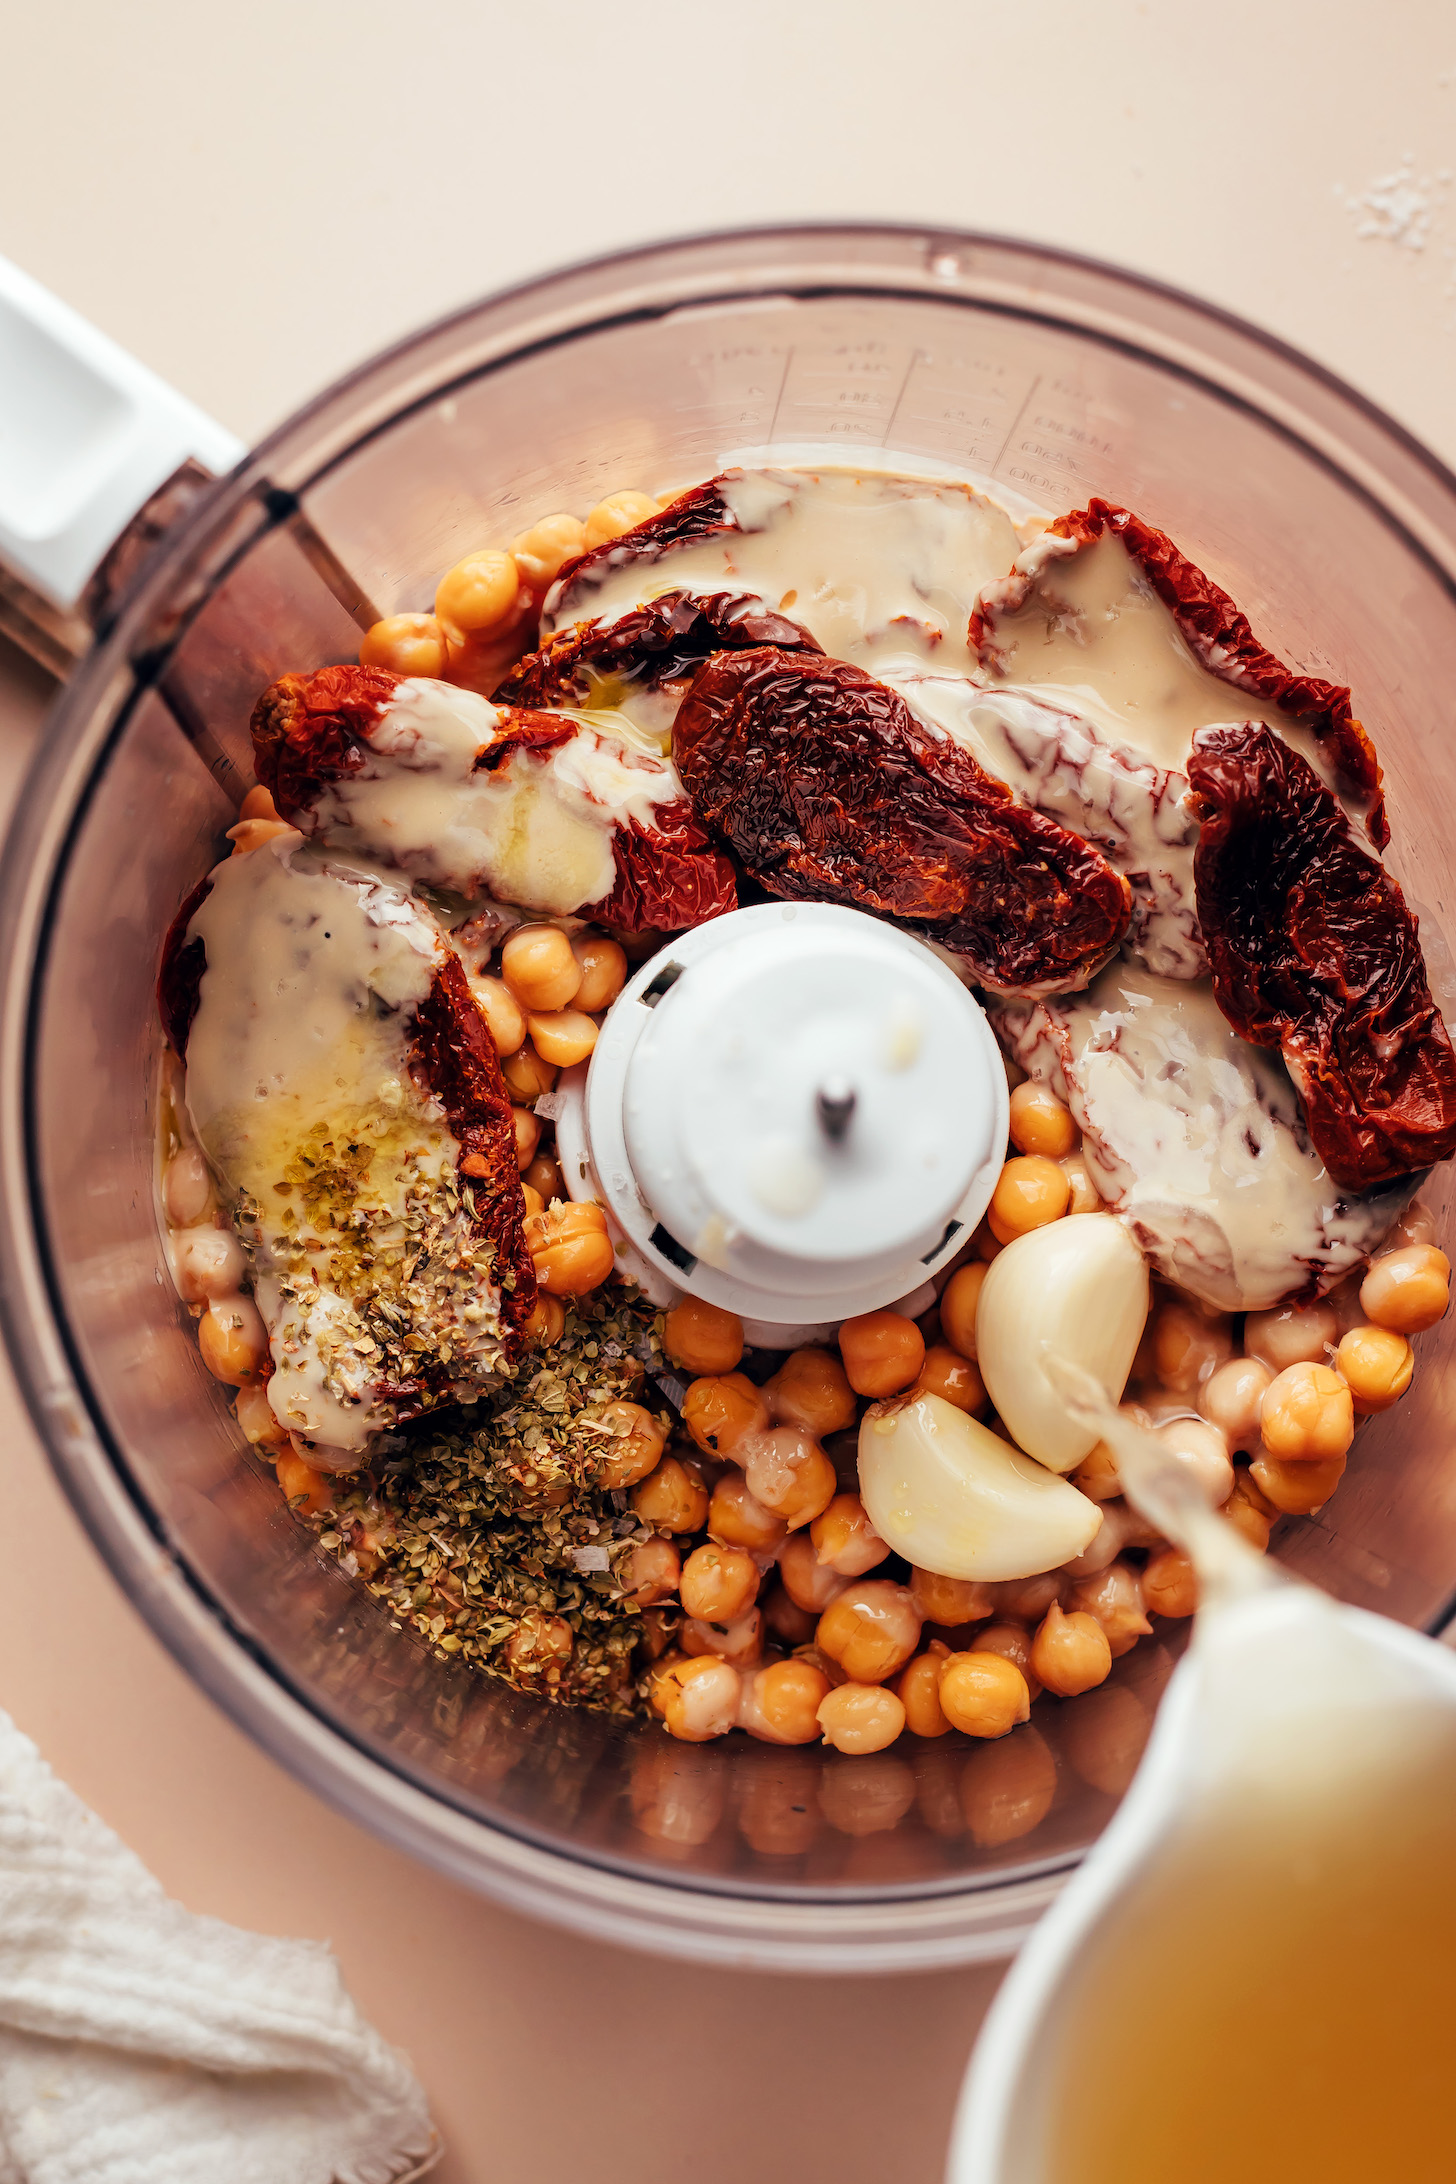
(86, 437)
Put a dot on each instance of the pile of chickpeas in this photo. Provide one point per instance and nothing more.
(786, 1634)
(487, 606)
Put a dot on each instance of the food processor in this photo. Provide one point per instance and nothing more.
(1042, 377)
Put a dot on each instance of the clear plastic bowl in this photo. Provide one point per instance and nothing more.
(1049, 377)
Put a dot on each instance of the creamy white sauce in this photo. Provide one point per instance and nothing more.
(1112, 795)
(298, 1072)
(867, 562)
(537, 830)
(1093, 635)
(1196, 1138)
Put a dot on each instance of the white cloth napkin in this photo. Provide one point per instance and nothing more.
(141, 2044)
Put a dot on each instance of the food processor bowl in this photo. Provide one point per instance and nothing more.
(1050, 379)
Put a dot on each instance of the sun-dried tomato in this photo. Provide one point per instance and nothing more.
(652, 646)
(455, 1059)
(829, 789)
(312, 732)
(701, 512)
(1218, 635)
(1313, 951)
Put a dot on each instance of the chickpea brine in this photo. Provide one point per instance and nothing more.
(539, 1379)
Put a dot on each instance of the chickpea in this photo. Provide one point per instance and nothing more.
(810, 1390)
(1031, 1192)
(791, 1624)
(676, 1803)
(983, 1693)
(958, 1303)
(635, 1449)
(1086, 1198)
(543, 551)
(919, 1694)
(952, 1377)
(303, 1487)
(739, 1642)
(671, 1498)
(1306, 1414)
(702, 1339)
(1013, 1643)
(540, 1645)
(718, 1583)
(781, 1702)
(405, 644)
(603, 965)
(570, 1248)
(1070, 1653)
(619, 513)
(983, 1243)
(737, 1520)
(562, 1037)
(1115, 1597)
(1097, 1475)
(1250, 1512)
(478, 595)
(882, 1352)
(949, 1601)
(545, 1178)
(1169, 1585)
(256, 1415)
(1007, 1789)
(258, 804)
(790, 1474)
(1041, 1123)
(1189, 1344)
(1104, 1738)
(547, 1322)
(872, 1629)
(233, 1340)
(210, 1263)
(845, 1540)
(528, 1136)
(860, 1717)
(1292, 1334)
(251, 834)
(1028, 1598)
(722, 1410)
(699, 1698)
(809, 1583)
(1232, 1399)
(186, 1188)
(531, 1199)
(1203, 1451)
(1378, 1364)
(1298, 1489)
(654, 1568)
(865, 1796)
(1407, 1290)
(527, 1073)
(539, 968)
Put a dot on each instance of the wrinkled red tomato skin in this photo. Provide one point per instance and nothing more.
(660, 643)
(827, 788)
(1313, 951)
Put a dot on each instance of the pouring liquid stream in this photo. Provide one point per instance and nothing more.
(1254, 1978)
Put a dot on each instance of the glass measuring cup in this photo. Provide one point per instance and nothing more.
(1048, 377)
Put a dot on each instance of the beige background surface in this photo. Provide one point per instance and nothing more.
(253, 198)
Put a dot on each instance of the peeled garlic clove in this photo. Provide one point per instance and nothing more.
(950, 1496)
(1079, 1285)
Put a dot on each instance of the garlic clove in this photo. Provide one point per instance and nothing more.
(1079, 1285)
(952, 1497)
